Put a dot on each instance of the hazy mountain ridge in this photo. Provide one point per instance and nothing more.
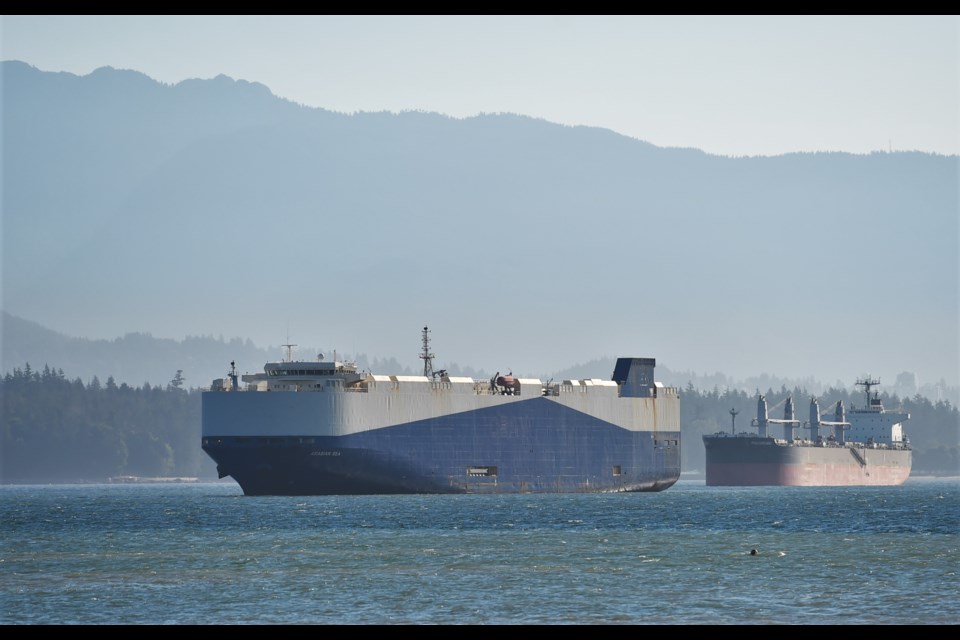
(138, 358)
(214, 207)
(904, 386)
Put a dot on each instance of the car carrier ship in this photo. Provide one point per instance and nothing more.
(324, 427)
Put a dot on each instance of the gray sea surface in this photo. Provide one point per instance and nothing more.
(204, 553)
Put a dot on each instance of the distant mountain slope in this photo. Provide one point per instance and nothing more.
(137, 358)
(214, 207)
(134, 358)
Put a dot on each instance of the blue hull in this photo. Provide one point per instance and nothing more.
(530, 447)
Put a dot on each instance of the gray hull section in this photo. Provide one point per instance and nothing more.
(512, 445)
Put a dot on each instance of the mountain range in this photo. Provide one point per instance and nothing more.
(212, 207)
(139, 359)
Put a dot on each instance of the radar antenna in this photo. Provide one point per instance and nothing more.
(866, 383)
(233, 376)
(426, 356)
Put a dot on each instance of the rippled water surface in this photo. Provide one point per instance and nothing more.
(206, 554)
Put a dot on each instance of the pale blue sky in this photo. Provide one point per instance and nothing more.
(760, 85)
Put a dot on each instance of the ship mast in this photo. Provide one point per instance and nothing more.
(426, 356)
(866, 383)
(733, 421)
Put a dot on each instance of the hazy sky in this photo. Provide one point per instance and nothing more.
(728, 85)
(761, 85)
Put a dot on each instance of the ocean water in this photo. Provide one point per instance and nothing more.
(206, 554)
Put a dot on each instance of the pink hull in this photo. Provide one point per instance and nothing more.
(752, 461)
(804, 475)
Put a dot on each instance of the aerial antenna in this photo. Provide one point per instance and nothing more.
(288, 345)
(733, 421)
(866, 383)
(426, 356)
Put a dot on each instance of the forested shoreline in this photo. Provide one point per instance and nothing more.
(60, 430)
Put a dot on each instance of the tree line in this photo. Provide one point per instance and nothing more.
(61, 430)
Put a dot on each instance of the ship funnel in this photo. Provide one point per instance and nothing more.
(635, 377)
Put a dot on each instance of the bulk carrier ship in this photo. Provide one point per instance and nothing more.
(325, 428)
(861, 447)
